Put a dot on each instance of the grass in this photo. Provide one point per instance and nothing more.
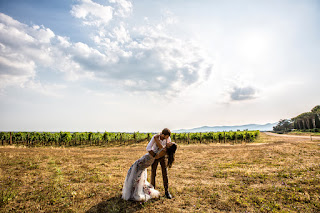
(271, 175)
(299, 132)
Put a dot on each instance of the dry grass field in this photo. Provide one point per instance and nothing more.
(272, 174)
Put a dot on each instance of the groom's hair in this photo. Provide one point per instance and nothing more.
(166, 131)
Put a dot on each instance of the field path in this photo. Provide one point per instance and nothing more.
(294, 136)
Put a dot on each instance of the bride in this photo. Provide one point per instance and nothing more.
(136, 187)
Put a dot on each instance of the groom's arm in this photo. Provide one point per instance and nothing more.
(156, 138)
(149, 147)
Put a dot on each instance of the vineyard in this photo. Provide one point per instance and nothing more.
(32, 139)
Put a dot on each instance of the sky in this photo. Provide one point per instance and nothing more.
(121, 65)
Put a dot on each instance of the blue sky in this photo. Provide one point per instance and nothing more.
(119, 65)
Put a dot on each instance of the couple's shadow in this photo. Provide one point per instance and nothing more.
(117, 204)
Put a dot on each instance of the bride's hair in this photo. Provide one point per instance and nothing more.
(170, 152)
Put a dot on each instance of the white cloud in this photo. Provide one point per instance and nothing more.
(24, 49)
(15, 68)
(136, 58)
(121, 34)
(92, 13)
(123, 7)
(156, 56)
(63, 41)
(140, 58)
(41, 34)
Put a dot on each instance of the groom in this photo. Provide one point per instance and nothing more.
(152, 148)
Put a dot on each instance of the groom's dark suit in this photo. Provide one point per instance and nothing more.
(152, 148)
(164, 172)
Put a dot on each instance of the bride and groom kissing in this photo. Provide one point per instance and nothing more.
(136, 187)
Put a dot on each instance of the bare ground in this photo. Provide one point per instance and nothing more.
(297, 137)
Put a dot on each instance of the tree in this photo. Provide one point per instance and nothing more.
(284, 125)
(317, 120)
(308, 120)
(316, 111)
(308, 117)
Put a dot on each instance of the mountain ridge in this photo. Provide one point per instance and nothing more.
(261, 127)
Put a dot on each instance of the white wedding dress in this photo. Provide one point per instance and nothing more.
(136, 187)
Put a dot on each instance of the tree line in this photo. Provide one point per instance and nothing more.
(307, 121)
(32, 139)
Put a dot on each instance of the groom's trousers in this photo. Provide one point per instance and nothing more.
(164, 172)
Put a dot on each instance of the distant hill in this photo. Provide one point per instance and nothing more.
(261, 127)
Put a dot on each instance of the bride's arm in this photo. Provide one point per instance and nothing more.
(161, 154)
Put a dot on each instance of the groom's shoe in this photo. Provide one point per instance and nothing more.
(168, 195)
